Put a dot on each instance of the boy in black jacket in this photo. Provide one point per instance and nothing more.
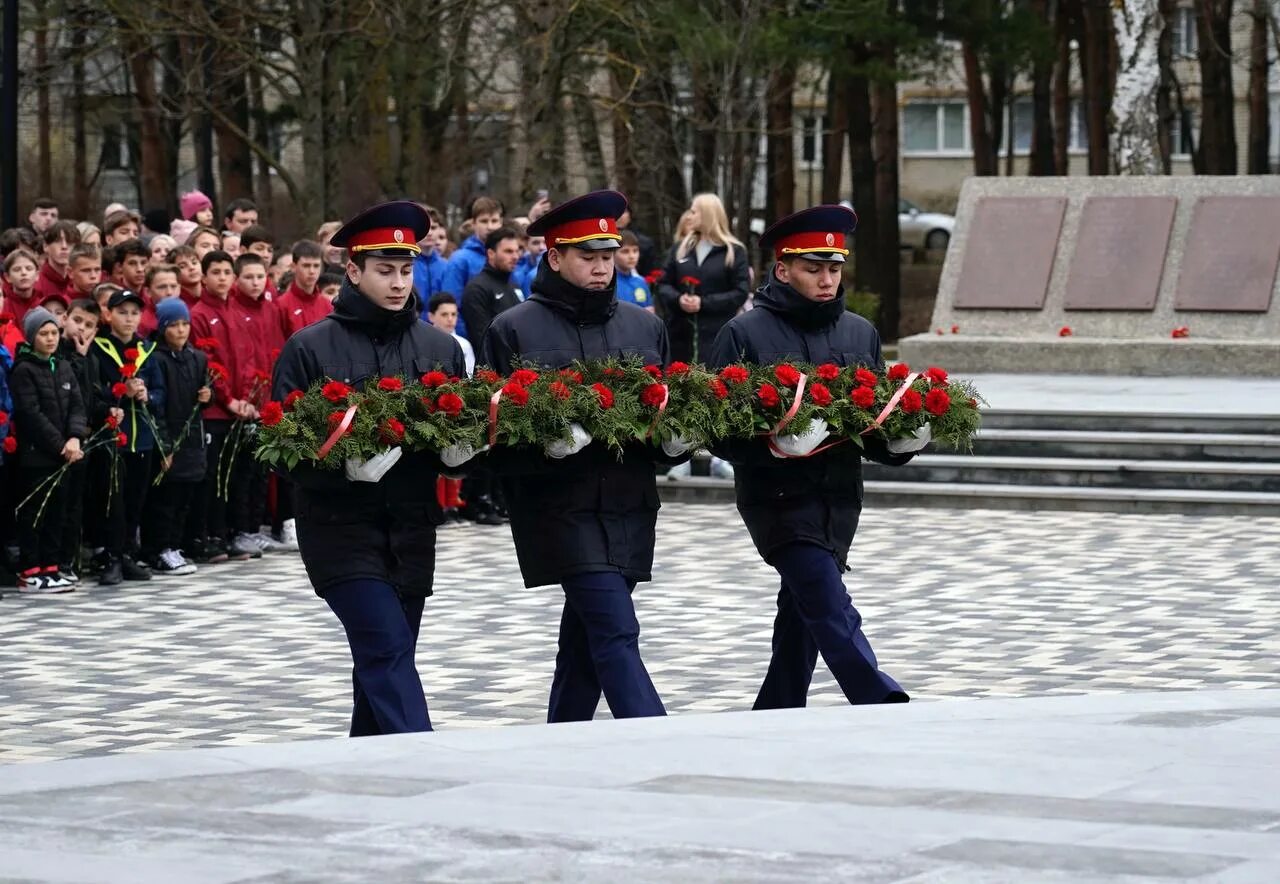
(187, 391)
(131, 379)
(49, 419)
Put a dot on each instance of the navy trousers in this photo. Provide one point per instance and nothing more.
(600, 652)
(815, 615)
(382, 630)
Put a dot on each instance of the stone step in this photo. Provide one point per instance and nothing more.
(1084, 472)
(998, 442)
(1124, 421)
(1019, 497)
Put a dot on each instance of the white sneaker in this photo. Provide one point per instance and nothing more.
(266, 542)
(289, 535)
(172, 564)
(44, 584)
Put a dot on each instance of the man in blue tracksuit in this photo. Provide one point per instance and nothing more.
(468, 260)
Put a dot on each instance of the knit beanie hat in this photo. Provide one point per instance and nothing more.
(34, 321)
(170, 310)
(181, 230)
(193, 202)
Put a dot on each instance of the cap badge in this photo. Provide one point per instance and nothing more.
(399, 235)
(604, 226)
(831, 239)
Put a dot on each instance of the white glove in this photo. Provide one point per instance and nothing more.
(560, 448)
(456, 455)
(373, 469)
(676, 446)
(913, 443)
(803, 444)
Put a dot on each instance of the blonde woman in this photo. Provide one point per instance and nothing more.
(706, 280)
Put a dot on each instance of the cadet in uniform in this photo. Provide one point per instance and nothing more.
(580, 516)
(802, 510)
(368, 532)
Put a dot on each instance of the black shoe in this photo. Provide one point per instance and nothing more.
(112, 574)
(99, 562)
(135, 570)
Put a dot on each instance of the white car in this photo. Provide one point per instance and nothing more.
(923, 230)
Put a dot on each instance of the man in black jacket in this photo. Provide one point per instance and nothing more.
(801, 506)
(580, 516)
(368, 534)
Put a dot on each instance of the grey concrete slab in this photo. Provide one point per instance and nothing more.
(1106, 788)
(1115, 394)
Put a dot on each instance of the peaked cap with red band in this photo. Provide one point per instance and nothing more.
(817, 234)
(389, 230)
(586, 222)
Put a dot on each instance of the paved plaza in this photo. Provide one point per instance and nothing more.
(959, 604)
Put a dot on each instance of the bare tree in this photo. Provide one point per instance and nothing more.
(1135, 120)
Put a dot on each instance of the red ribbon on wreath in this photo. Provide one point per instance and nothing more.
(343, 426)
(795, 407)
(493, 416)
(893, 402)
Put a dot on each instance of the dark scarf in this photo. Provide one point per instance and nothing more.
(354, 309)
(583, 306)
(781, 299)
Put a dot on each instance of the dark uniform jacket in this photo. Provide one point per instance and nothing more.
(109, 352)
(815, 499)
(185, 371)
(88, 379)
(487, 294)
(723, 287)
(589, 512)
(47, 408)
(375, 530)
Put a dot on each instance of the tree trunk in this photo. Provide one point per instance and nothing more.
(704, 133)
(262, 135)
(1217, 103)
(154, 190)
(229, 101)
(79, 207)
(1259, 152)
(780, 168)
(1135, 119)
(1062, 88)
(1095, 63)
(1042, 140)
(866, 242)
(584, 117)
(887, 234)
(43, 114)
(834, 137)
(1164, 100)
(984, 147)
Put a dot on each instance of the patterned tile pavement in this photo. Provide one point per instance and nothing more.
(957, 603)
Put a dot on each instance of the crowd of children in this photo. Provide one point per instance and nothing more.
(134, 360)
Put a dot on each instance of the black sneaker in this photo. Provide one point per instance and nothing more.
(112, 574)
(99, 562)
(134, 570)
(67, 573)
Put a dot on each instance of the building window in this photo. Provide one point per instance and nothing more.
(115, 147)
(1185, 41)
(812, 131)
(935, 127)
(1275, 130)
(1182, 138)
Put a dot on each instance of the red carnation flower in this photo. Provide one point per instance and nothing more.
(450, 404)
(118, 389)
(483, 374)
(676, 368)
(604, 394)
(653, 371)
(391, 431)
(208, 345)
(516, 394)
(1181, 332)
(787, 375)
(434, 379)
(524, 377)
(734, 374)
(128, 371)
(272, 413)
(936, 375)
(863, 397)
(131, 355)
(613, 373)
(292, 399)
(336, 418)
(335, 391)
(4, 418)
(391, 385)
(261, 377)
(10, 444)
(690, 280)
(121, 440)
(217, 371)
(937, 331)
(898, 371)
(820, 394)
(653, 395)
(937, 401)
(828, 371)
(718, 388)
(653, 276)
(1064, 332)
(112, 422)
(429, 404)
(560, 391)
(955, 329)
(865, 378)
(768, 395)
(572, 375)
(911, 402)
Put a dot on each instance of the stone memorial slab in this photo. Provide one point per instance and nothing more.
(1231, 256)
(1120, 253)
(1009, 254)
